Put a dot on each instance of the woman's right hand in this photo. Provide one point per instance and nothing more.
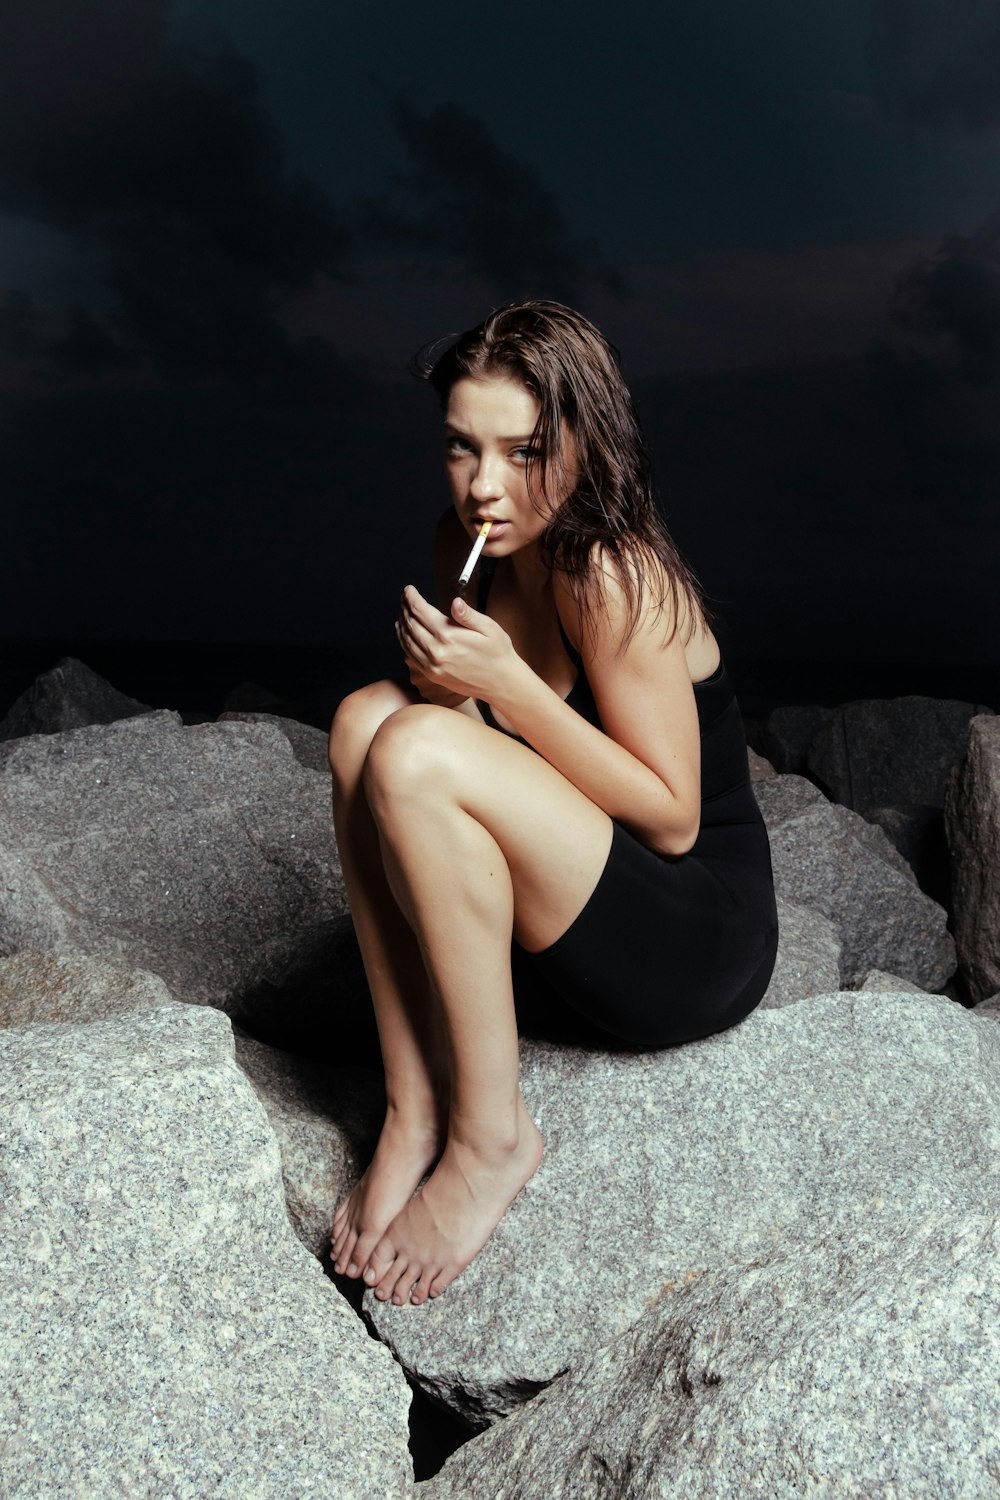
(433, 692)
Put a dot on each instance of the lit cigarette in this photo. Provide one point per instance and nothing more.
(473, 557)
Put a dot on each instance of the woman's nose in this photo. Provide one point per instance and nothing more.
(485, 481)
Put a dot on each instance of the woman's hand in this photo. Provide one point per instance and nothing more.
(464, 655)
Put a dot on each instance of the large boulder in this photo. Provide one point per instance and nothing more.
(972, 822)
(800, 1122)
(40, 987)
(326, 1121)
(68, 696)
(829, 859)
(808, 957)
(863, 1363)
(162, 1331)
(202, 853)
(890, 752)
(309, 745)
(787, 733)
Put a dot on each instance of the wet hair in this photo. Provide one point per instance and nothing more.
(609, 511)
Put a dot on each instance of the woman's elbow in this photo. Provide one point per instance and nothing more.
(678, 834)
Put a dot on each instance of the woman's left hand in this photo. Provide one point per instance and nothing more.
(465, 653)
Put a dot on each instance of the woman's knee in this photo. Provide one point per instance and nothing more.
(408, 753)
(357, 721)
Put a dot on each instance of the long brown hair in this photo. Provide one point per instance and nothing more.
(574, 375)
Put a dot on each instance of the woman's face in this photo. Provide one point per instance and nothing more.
(487, 434)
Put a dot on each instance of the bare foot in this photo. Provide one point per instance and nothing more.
(402, 1157)
(440, 1231)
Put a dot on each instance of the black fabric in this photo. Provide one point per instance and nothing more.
(669, 949)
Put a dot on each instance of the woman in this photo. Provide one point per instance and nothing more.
(564, 782)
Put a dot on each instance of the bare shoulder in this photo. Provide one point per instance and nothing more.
(607, 619)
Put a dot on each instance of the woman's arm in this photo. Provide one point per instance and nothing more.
(645, 770)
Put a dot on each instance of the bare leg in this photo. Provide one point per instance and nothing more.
(412, 1045)
(480, 837)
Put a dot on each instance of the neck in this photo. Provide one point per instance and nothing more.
(529, 571)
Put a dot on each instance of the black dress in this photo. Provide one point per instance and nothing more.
(669, 948)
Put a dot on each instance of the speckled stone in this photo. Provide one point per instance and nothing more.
(988, 1008)
(788, 731)
(829, 859)
(799, 1122)
(808, 960)
(202, 853)
(972, 824)
(40, 987)
(162, 1331)
(326, 1121)
(760, 768)
(880, 983)
(309, 745)
(891, 752)
(862, 1364)
(68, 696)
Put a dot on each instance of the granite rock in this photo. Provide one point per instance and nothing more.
(990, 1009)
(800, 1122)
(40, 987)
(972, 824)
(760, 768)
(309, 745)
(890, 752)
(202, 853)
(880, 983)
(326, 1121)
(787, 733)
(162, 1331)
(68, 696)
(828, 858)
(808, 959)
(861, 1364)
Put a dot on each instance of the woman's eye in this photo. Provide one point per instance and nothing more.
(456, 445)
(524, 454)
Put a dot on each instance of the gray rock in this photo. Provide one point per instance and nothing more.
(204, 854)
(326, 1121)
(972, 824)
(880, 983)
(40, 987)
(829, 859)
(162, 1331)
(760, 769)
(309, 745)
(787, 733)
(917, 834)
(989, 1009)
(808, 961)
(862, 1364)
(800, 1122)
(891, 752)
(68, 696)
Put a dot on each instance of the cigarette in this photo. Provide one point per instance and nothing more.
(473, 557)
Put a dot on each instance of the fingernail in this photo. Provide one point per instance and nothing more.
(352, 1269)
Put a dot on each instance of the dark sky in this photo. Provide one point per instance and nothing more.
(226, 226)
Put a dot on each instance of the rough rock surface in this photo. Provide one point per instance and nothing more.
(880, 983)
(308, 743)
(862, 1364)
(829, 859)
(800, 1122)
(787, 733)
(760, 769)
(326, 1121)
(808, 961)
(162, 1331)
(40, 987)
(68, 696)
(972, 823)
(203, 853)
(989, 1008)
(891, 752)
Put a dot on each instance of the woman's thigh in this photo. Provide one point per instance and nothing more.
(355, 722)
(426, 761)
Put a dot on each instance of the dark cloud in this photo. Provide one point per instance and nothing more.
(937, 62)
(952, 301)
(167, 162)
(469, 199)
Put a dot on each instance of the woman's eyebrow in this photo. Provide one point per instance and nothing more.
(461, 432)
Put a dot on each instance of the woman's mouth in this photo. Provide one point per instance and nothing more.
(497, 528)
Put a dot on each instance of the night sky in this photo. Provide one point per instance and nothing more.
(226, 227)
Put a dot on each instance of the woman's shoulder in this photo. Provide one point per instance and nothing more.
(618, 595)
